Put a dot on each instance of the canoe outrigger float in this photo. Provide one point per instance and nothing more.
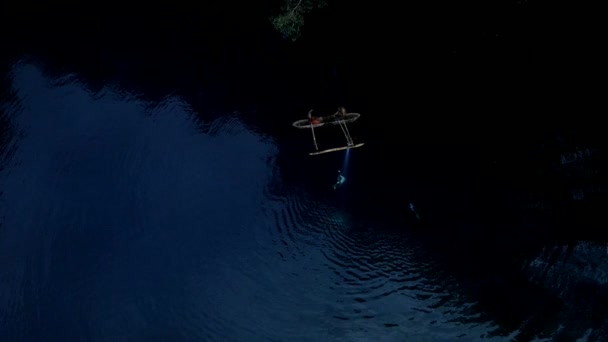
(339, 118)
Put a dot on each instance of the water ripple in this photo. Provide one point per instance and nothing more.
(226, 125)
(10, 106)
(380, 280)
(127, 220)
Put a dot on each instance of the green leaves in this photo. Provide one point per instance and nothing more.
(289, 23)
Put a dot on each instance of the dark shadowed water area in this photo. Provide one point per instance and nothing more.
(128, 220)
(166, 196)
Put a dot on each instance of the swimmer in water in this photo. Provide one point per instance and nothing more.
(341, 180)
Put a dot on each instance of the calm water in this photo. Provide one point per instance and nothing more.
(124, 220)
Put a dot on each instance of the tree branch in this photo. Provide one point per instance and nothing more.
(296, 7)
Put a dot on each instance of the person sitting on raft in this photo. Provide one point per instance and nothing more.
(313, 120)
(341, 113)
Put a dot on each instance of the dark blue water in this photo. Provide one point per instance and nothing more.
(129, 220)
(135, 215)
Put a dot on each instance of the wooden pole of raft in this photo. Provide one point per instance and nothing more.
(314, 139)
(336, 149)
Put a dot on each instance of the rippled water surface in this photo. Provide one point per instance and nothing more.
(124, 220)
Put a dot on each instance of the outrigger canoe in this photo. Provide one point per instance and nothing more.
(329, 121)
